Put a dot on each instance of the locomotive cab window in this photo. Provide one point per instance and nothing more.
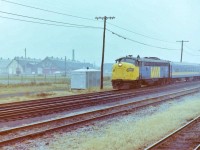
(127, 60)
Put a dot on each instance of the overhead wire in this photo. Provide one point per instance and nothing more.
(47, 10)
(191, 48)
(77, 25)
(41, 19)
(190, 52)
(83, 27)
(126, 38)
(69, 15)
(43, 23)
(146, 36)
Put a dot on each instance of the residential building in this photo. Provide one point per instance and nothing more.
(21, 65)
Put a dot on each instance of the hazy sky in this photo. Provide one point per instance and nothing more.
(167, 20)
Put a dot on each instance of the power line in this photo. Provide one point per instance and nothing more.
(46, 10)
(191, 48)
(140, 34)
(74, 25)
(42, 23)
(191, 53)
(14, 14)
(69, 15)
(125, 38)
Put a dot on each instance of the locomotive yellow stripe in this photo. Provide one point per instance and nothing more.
(155, 72)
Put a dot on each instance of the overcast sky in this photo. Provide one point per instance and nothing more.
(167, 21)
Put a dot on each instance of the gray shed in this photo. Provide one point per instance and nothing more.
(85, 78)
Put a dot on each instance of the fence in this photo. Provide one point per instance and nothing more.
(26, 79)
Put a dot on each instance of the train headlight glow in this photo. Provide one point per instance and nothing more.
(119, 64)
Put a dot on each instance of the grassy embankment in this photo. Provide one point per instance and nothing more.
(128, 133)
(39, 89)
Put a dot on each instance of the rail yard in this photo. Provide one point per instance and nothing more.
(30, 120)
(99, 75)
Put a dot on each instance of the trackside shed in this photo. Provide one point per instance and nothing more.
(85, 78)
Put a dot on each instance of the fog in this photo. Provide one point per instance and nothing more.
(154, 22)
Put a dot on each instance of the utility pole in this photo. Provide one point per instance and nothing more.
(103, 49)
(25, 63)
(65, 66)
(182, 48)
(25, 53)
(73, 55)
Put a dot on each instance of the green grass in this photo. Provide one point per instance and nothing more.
(130, 134)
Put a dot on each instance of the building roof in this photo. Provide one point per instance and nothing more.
(24, 61)
(86, 70)
(60, 63)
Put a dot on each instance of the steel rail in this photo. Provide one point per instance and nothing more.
(68, 104)
(72, 98)
(62, 106)
(89, 115)
(153, 146)
(45, 100)
(38, 109)
(59, 99)
(24, 111)
(198, 147)
(39, 102)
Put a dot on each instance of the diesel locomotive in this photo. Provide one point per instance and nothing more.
(131, 72)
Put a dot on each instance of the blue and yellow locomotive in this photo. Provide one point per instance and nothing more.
(130, 72)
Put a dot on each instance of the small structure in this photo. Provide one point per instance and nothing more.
(85, 78)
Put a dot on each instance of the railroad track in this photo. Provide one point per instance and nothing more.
(10, 136)
(30, 109)
(185, 138)
(66, 104)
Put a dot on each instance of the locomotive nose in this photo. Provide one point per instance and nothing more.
(125, 71)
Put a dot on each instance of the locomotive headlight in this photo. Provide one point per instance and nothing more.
(119, 64)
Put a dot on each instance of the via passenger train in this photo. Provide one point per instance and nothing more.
(131, 72)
